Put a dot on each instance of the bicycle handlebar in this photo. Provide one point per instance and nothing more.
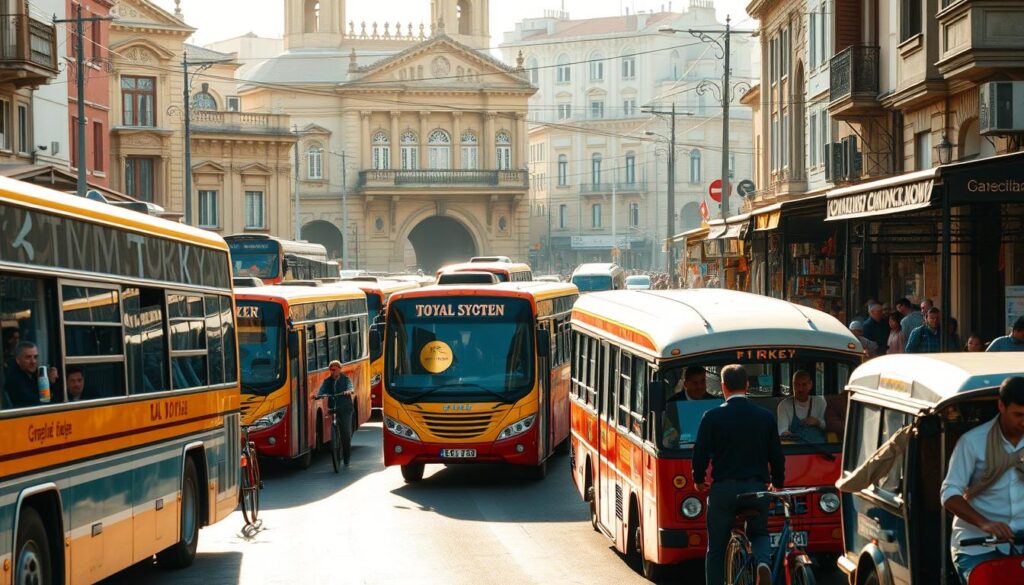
(783, 493)
(1017, 540)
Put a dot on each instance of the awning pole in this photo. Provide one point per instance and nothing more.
(946, 276)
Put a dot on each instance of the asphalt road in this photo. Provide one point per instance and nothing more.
(473, 524)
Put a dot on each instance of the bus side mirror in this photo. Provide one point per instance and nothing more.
(656, 391)
(543, 343)
(375, 340)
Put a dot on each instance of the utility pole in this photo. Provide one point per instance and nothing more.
(79, 22)
(344, 213)
(670, 263)
(298, 204)
(186, 94)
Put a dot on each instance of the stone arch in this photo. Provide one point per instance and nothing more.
(458, 217)
(326, 234)
(311, 16)
(689, 216)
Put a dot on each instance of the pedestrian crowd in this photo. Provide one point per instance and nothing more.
(917, 328)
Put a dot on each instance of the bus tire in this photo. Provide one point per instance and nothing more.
(592, 499)
(303, 461)
(33, 563)
(183, 552)
(539, 471)
(412, 472)
(634, 540)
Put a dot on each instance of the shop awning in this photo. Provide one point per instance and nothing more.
(767, 218)
(691, 235)
(996, 179)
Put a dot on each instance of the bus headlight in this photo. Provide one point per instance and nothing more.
(828, 503)
(691, 507)
(396, 428)
(517, 428)
(268, 420)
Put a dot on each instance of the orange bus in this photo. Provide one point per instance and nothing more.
(378, 291)
(287, 336)
(640, 360)
(477, 374)
(505, 269)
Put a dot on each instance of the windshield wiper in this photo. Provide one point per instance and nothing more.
(417, 397)
(814, 446)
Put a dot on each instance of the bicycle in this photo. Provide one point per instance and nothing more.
(793, 565)
(1008, 569)
(252, 483)
(336, 460)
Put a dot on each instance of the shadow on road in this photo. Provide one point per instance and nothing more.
(221, 567)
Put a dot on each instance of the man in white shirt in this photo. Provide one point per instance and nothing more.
(802, 416)
(984, 487)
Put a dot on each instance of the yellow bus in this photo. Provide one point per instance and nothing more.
(477, 374)
(134, 444)
(287, 336)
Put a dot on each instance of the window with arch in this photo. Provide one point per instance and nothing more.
(531, 66)
(315, 162)
(503, 140)
(563, 170)
(628, 65)
(630, 167)
(381, 150)
(312, 16)
(439, 150)
(675, 64)
(204, 101)
(563, 69)
(464, 17)
(596, 67)
(695, 166)
(410, 151)
(470, 151)
(595, 169)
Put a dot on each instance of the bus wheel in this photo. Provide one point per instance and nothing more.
(592, 498)
(182, 553)
(412, 472)
(303, 461)
(33, 550)
(651, 570)
(634, 541)
(539, 471)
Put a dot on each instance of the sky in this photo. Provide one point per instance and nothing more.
(222, 19)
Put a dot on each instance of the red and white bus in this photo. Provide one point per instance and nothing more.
(476, 374)
(633, 434)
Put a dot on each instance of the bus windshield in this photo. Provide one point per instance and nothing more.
(261, 337)
(474, 349)
(803, 394)
(259, 258)
(592, 282)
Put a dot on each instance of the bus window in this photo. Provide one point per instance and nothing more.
(146, 340)
(24, 319)
(591, 283)
(93, 332)
(187, 319)
(227, 324)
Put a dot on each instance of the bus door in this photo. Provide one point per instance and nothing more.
(606, 481)
(545, 426)
(300, 395)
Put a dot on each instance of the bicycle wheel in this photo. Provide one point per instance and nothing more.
(802, 574)
(739, 561)
(250, 491)
(335, 445)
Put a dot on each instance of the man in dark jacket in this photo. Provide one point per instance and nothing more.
(876, 327)
(339, 391)
(741, 443)
(21, 389)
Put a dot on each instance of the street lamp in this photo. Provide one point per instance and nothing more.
(944, 149)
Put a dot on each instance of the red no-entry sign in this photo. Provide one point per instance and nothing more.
(715, 191)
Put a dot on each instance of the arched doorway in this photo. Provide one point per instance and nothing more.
(440, 240)
(326, 234)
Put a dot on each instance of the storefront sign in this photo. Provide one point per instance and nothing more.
(881, 201)
(599, 242)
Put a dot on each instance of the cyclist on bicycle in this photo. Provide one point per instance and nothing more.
(741, 442)
(985, 482)
(339, 391)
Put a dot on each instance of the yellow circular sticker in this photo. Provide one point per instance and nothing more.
(436, 357)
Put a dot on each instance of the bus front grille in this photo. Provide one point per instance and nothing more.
(451, 425)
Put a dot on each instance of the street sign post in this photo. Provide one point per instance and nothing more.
(715, 190)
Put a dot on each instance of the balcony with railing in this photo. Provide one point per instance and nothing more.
(602, 188)
(223, 122)
(453, 178)
(854, 77)
(978, 38)
(28, 51)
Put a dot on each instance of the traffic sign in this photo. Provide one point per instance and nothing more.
(715, 191)
(746, 188)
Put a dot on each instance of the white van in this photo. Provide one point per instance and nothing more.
(599, 276)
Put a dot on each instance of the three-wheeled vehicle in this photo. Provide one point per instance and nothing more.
(904, 417)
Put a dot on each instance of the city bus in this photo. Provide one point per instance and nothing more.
(134, 445)
(636, 357)
(476, 374)
(274, 260)
(287, 337)
(378, 291)
(503, 268)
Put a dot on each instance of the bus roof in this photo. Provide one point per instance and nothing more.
(595, 268)
(288, 246)
(673, 323)
(59, 203)
(936, 378)
(295, 295)
(384, 286)
(537, 290)
(503, 267)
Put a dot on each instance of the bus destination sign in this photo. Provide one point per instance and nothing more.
(459, 310)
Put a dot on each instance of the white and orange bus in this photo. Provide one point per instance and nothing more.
(501, 267)
(476, 374)
(634, 426)
(287, 336)
(275, 260)
(135, 446)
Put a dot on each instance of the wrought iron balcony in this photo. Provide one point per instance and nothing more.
(854, 79)
(28, 51)
(628, 187)
(376, 179)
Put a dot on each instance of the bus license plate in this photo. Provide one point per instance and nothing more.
(799, 539)
(458, 453)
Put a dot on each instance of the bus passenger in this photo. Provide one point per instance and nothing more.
(802, 416)
(75, 383)
(985, 479)
(20, 386)
(693, 385)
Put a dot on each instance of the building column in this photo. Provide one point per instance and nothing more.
(456, 140)
(424, 129)
(395, 142)
(489, 159)
(520, 141)
(367, 145)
